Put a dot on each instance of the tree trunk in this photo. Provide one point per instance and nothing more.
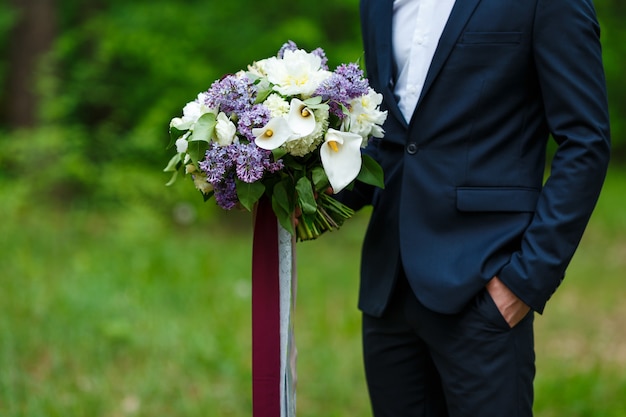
(32, 36)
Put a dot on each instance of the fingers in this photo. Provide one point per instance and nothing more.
(297, 214)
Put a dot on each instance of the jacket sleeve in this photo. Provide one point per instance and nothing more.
(568, 63)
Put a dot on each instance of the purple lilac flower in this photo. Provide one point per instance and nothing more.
(226, 193)
(358, 86)
(291, 46)
(272, 166)
(217, 162)
(287, 46)
(345, 84)
(232, 94)
(256, 116)
(320, 53)
(249, 162)
(335, 91)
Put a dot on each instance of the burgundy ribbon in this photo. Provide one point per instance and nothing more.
(265, 314)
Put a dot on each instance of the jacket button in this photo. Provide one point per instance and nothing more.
(412, 148)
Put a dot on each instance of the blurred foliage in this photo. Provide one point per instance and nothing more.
(128, 315)
(7, 19)
(130, 67)
(118, 72)
(611, 14)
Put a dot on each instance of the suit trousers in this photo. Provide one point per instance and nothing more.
(420, 363)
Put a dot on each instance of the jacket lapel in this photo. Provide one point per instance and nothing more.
(384, 51)
(461, 12)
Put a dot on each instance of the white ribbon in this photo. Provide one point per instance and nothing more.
(288, 353)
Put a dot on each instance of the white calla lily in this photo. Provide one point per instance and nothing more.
(273, 134)
(301, 119)
(341, 158)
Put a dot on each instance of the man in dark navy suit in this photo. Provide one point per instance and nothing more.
(466, 241)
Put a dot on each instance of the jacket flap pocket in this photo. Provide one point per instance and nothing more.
(477, 38)
(509, 199)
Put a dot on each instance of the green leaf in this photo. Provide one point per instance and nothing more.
(320, 179)
(306, 198)
(323, 106)
(196, 150)
(281, 196)
(290, 161)
(282, 206)
(345, 110)
(172, 179)
(207, 196)
(371, 172)
(312, 101)
(204, 128)
(173, 165)
(285, 220)
(278, 153)
(249, 193)
(264, 89)
(174, 135)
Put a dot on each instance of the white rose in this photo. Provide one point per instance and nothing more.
(182, 145)
(258, 68)
(225, 130)
(191, 113)
(297, 73)
(365, 118)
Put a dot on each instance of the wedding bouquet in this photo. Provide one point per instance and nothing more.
(287, 128)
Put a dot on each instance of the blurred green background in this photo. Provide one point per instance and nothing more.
(121, 297)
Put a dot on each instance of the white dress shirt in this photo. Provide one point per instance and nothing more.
(417, 27)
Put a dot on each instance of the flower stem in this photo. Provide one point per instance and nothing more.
(329, 216)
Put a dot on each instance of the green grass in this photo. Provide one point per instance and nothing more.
(126, 312)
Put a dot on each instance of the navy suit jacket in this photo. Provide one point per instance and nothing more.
(465, 198)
